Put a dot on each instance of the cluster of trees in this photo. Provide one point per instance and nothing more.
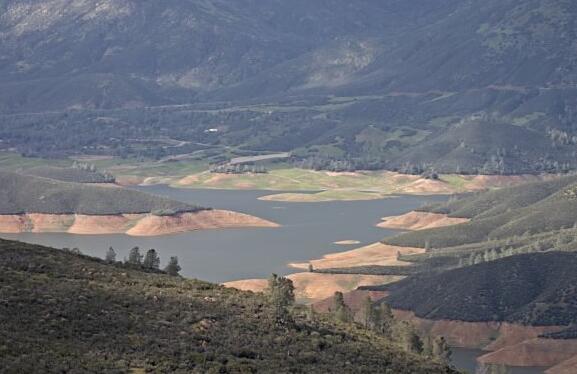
(150, 261)
(379, 318)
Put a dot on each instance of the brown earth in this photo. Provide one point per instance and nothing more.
(427, 186)
(534, 352)
(131, 224)
(509, 344)
(374, 254)
(419, 221)
(566, 367)
(347, 242)
(311, 287)
(209, 219)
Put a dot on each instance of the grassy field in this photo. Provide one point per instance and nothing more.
(318, 185)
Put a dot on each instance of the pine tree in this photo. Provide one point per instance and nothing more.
(409, 339)
(151, 260)
(110, 256)
(367, 310)
(384, 320)
(173, 268)
(441, 350)
(134, 256)
(341, 310)
(282, 297)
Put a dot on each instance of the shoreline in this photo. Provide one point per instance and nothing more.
(145, 224)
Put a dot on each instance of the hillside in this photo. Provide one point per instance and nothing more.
(458, 87)
(531, 289)
(513, 214)
(71, 174)
(61, 311)
(21, 194)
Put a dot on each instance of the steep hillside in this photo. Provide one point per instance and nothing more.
(60, 311)
(509, 214)
(28, 194)
(531, 289)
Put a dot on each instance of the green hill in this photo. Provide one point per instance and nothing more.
(21, 194)
(65, 312)
(536, 208)
(531, 289)
(76, 175)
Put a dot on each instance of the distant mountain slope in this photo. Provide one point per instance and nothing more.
(21, 194)
(60, 310)
(455, 86)
(532, 289)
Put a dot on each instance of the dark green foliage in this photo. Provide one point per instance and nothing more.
(65, 312)
(110, 256)
(341, 311)
(173, 268)
(151, 260)
(134, 257)
(282, 297)
(532, 289)
(28, 194)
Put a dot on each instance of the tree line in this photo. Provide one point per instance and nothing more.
(149, 261)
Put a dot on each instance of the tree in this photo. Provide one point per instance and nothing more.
(367, 310)
(134, 256)
(282, 297)
(441, 350)
(383, 320)
(151, 260)
(173, 268)
(409, 339)
(110, 255)
(341, 310)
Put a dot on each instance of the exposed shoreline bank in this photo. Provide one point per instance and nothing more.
(129, 224)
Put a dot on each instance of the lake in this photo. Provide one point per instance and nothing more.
(308, 231)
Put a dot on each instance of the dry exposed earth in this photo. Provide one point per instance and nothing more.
(130, 224)
(419, 221)
(310, 287)
(373, 254)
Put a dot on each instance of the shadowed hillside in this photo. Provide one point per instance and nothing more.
(28, 194)
(530, 289)
(60, 311)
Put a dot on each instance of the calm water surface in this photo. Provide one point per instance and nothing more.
(465, 359)
(308, 231)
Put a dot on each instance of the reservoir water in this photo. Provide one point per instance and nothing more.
(308, 231)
